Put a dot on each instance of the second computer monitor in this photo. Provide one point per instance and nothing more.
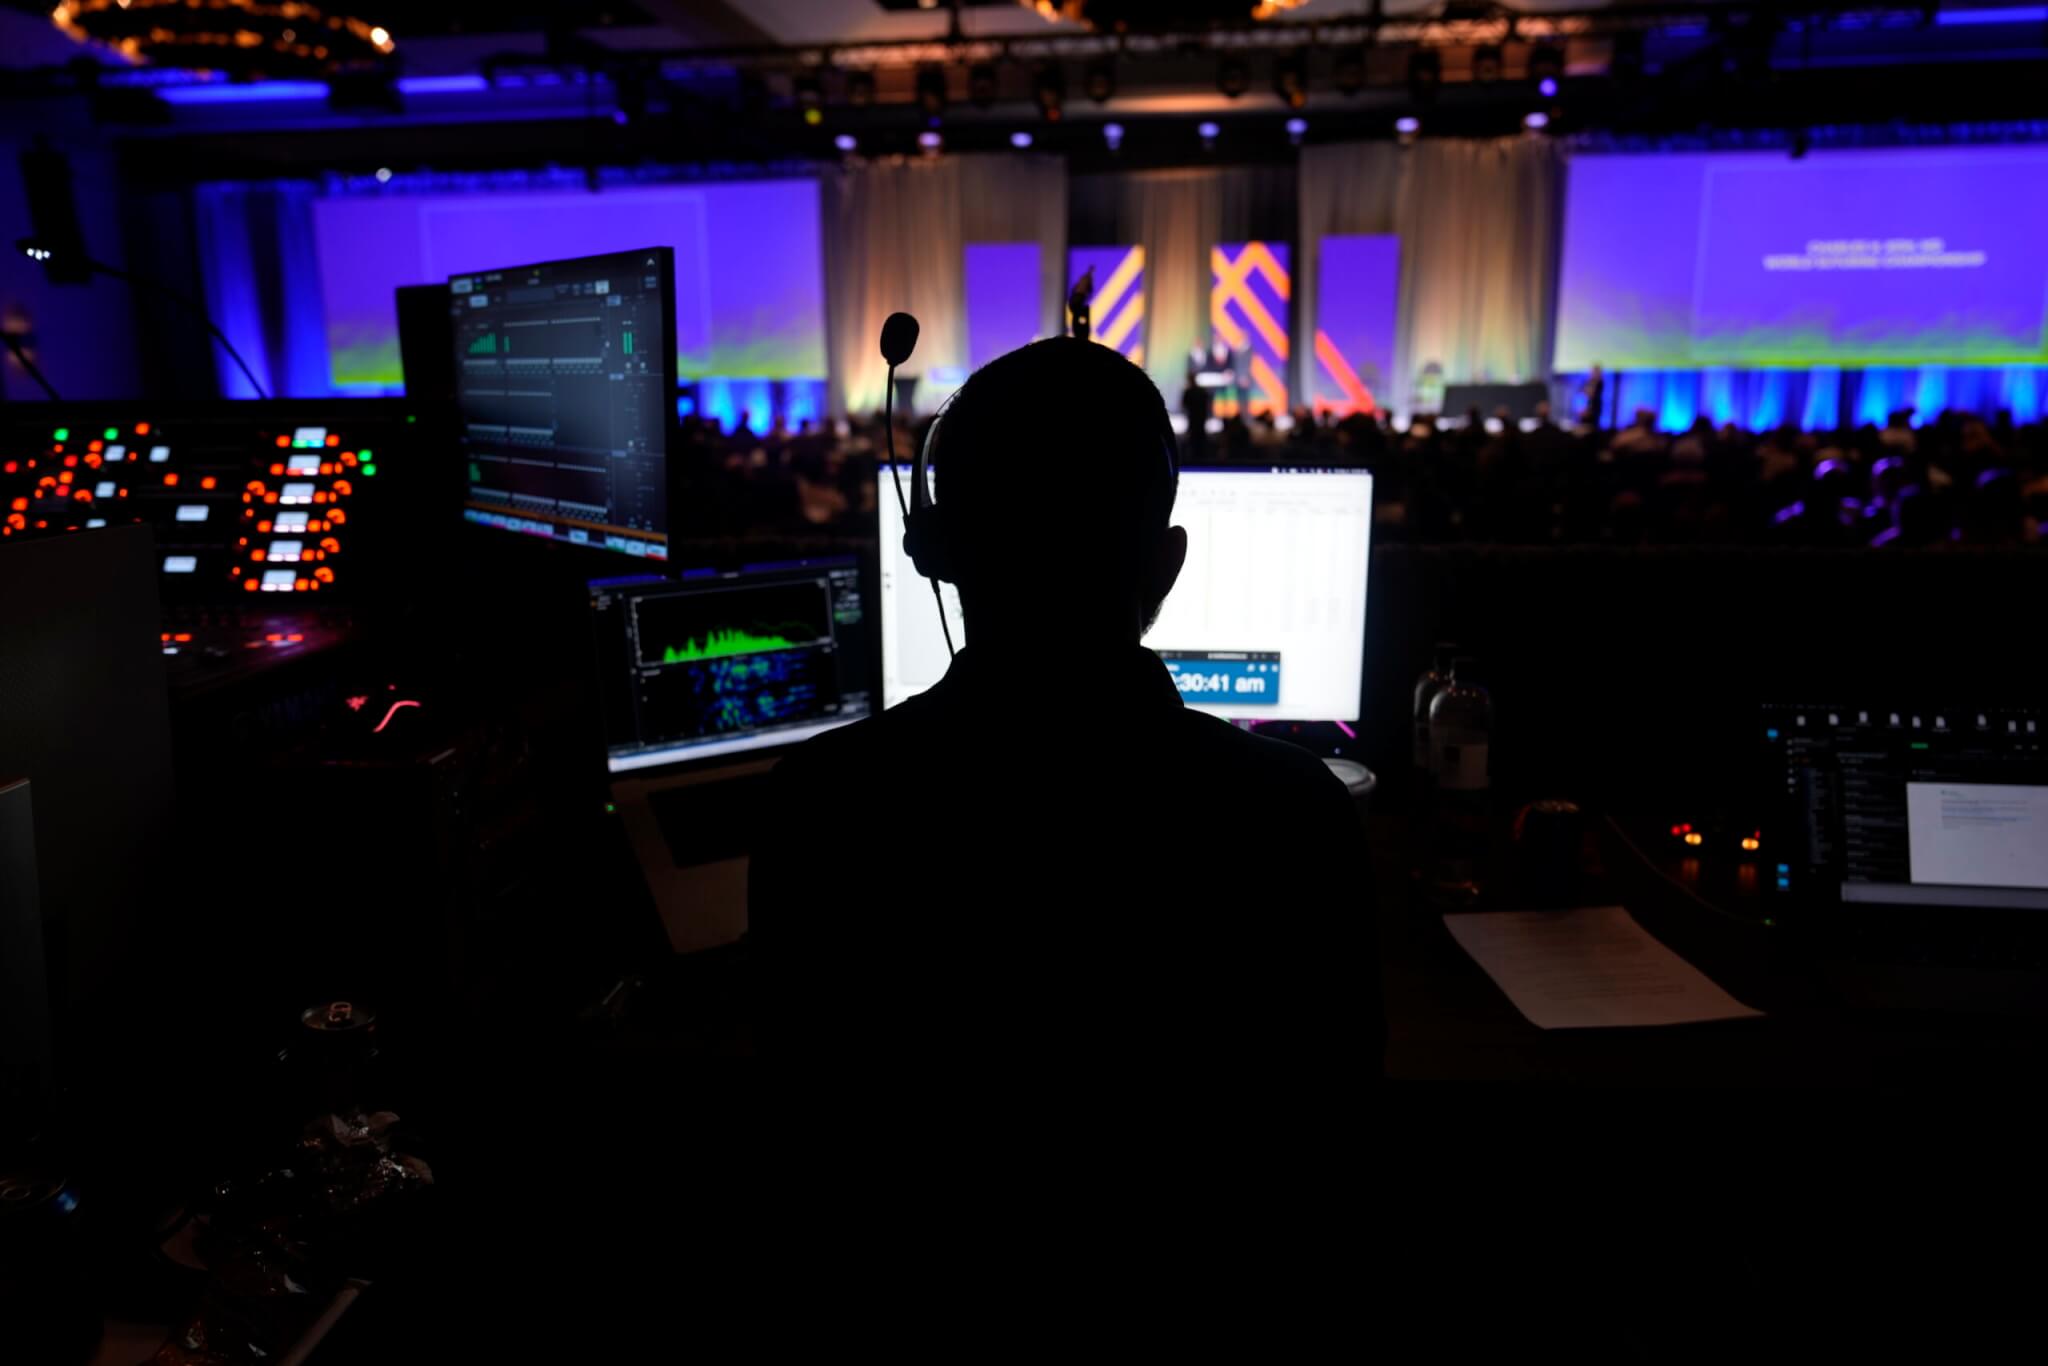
(1266, 623)
(565, 387)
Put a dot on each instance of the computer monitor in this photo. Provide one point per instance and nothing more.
(1908, 805)
(717, 664)
(1266, 623)
(565, 390)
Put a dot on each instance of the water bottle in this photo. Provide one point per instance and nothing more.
(1460, 731)
(1426, 688)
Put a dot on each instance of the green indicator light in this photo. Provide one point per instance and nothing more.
(1769, 923)
(61, 434)
(610, 808)
(629, 343)
(410, 418)
(113, 433)
(365, 455)
(369, 471)
(1919, 744)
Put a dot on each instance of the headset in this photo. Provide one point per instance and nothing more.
(924, 525)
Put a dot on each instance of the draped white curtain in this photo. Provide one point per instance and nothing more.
(1178, 217)
(1478, 223)
(895, 231)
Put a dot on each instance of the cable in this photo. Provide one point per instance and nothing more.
(1651, 864)
(14, 345)
(188, 305)
(896, 478)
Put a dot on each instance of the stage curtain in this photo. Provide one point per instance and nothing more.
(1478, 223)
(1178, 217)
(261, 271)
(895, 231)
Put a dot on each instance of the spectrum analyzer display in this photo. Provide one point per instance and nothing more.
(717, 664)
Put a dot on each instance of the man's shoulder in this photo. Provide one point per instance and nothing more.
(1223, 744)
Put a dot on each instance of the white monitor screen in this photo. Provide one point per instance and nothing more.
(1266, 623)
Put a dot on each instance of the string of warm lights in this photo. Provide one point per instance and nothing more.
(239, 36)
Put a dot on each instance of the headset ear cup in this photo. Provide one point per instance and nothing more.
(924, 541)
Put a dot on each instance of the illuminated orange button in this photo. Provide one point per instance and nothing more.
(171, 480)
(142, 429)
(301, 585)
(336, 517)
(95, 445)
(263, 526)
(324, 574)
(208, 482)
(70, 462)
(283, 441)
(277, 469)
(19, 504)
(334, 441)
(269, 497)
(182, 637)
(258, 553)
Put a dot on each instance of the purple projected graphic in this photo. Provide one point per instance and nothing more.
(1358, 295)
(749, 274)
(1118, 312)
(1003, 299)
(1841, 258)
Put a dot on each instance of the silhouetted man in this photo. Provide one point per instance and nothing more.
(1047, 856)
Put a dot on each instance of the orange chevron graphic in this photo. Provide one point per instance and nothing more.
(1111, 291)
(1119, 328)
(1268, 384)
(1231, 287)
(1358, 398)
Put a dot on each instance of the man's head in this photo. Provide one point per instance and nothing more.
(1054, 473)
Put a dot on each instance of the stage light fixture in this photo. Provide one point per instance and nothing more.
(1296, 130)
(1536, 120)
(1486, 62)
(982, 84)
(383, 175)
(860, 89)
(1233, 77)
(1049, 88)
(846, 142)
(931, 90)
(1350, 70)
(1290, 80)
(1100, 80)
(1425, 75)
(1020, 140)
(1207, 132)
(930, 141)
(1406, 127)
(1113, 135)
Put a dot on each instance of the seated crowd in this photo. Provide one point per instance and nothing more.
(1954, 480)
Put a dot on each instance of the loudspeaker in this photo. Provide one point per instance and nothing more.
(426, 343)
(53, 213)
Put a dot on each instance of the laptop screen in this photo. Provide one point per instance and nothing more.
(714, 665)
(1926, 806)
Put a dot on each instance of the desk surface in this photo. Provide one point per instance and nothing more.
(1446, 1020)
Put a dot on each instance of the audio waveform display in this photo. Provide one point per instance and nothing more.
(734, 623)
(726, 644)
(487, 345)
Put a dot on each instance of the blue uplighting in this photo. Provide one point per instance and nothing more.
(442, 85)
(2012, 14)
(255, 92)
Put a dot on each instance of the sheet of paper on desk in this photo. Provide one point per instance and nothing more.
(1589, 968)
